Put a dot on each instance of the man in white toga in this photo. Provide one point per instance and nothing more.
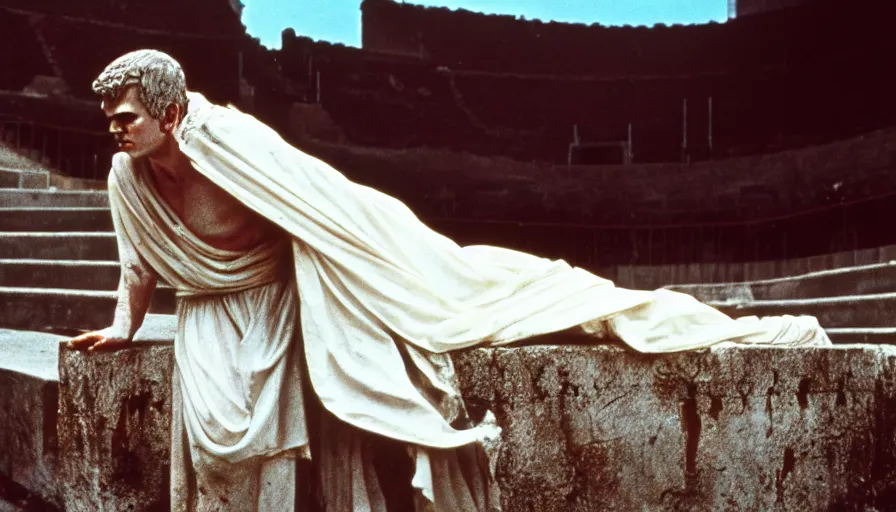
(283, 266)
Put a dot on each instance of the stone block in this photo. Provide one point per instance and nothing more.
(114, 424)
(600, 428)
(585, 427)
(28, 441)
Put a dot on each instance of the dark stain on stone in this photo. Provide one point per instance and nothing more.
(768, 405)
(23, 499)
(653, 438)
(781, 474)
(841, 395)
(690, 427)
(50, 407)
(138, 403)
(883, 462)
(128, 464)
(802, 393)
(476, 409)
(541, 393)
(715, 407)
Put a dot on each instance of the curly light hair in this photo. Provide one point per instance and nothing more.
(159, 76)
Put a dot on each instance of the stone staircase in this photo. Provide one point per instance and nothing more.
(59, 272)
(854, 304)
(58, 275)
(58, 262)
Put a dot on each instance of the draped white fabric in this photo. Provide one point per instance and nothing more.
(371, 273)
(383, 298)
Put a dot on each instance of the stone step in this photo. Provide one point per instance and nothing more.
(858, 280)
(69, 274)
(29, 218)
(59, 246)
(50, 198)
(69, 311)
(23, 179)
(871, 335)
(851, 311)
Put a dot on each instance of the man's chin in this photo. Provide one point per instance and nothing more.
(131, 152)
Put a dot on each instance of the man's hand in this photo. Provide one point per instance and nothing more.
(98, 341)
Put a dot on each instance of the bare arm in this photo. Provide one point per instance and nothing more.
(135, 289)
(134, 296)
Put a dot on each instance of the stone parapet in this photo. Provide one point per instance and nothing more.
(585, 427)
(114, 423)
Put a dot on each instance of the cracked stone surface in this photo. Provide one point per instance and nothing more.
(114, 424)
(600, 428)
(585, 427)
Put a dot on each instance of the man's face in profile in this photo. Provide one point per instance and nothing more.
(137, 133)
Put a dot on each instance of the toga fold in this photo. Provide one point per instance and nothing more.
(376, 299)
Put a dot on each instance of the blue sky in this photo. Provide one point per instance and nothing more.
(340, 20)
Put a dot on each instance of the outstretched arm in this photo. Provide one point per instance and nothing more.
(135, 289)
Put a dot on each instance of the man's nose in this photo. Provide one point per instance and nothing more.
(115, 128)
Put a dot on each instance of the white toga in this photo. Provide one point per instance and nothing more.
(382, 300)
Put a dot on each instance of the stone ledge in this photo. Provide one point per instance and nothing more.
(600, 428)
(29, 379)
(585, 427)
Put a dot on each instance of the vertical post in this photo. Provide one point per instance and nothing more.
(630, 158)
(310, 69)
(684, 129)
(575, 134)
(709, 131)
(317, 88)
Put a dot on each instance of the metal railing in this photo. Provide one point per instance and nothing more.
(73, 152)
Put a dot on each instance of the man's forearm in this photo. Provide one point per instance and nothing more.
(134, 297)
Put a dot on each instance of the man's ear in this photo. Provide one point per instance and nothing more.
(171, 117)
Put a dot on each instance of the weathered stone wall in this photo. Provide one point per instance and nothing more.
(530, 117)
(463, 39)
(28, 442)
(747, 7)
(114, 423)
(585, 427)
(737, 429)
(777, 81)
